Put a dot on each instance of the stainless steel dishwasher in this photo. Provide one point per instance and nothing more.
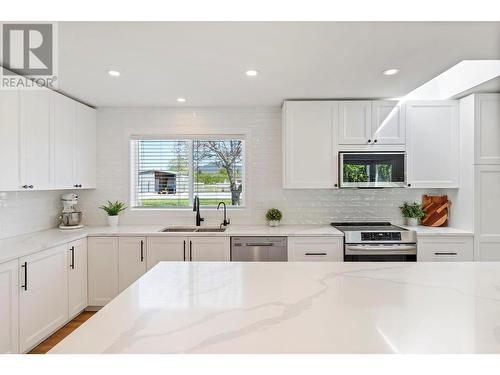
(258, 249)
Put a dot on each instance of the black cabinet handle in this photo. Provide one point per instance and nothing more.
(369, 141)
(72, 265)
(336, 185)
(375, 141)
(190, 251)
(24, 186)
(31, 186)
(142, 251)
(409, 185)
(184, 250)
(445, 253)
(25, 266)
(320, 254)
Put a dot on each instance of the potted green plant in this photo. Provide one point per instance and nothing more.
(412, 212)
(273, 216)
(113, 209)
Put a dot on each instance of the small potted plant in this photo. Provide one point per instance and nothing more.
(113, 209)
(412, 212)
(273, 216)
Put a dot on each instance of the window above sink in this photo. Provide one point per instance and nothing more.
(167, 173)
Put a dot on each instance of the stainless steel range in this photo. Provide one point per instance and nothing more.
(378, 242)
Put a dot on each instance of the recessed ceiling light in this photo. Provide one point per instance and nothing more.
(181, 100)
(252, 73)
(390, 72)
(114, 73)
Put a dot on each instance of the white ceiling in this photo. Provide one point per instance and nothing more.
(205, 62)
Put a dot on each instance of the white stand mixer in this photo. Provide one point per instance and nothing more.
(70, 217)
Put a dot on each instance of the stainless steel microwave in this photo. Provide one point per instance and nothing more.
(372, 169)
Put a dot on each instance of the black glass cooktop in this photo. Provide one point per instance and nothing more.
(368, 226)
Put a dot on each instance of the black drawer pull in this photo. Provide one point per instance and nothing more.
(190, 251)
(142, 251)
(320, 254)
(184, 250)
(445, 253)
(25, 266)
(72, 249)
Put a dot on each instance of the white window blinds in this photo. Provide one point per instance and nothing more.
(168, 173)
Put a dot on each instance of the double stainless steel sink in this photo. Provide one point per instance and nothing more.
(192, 229)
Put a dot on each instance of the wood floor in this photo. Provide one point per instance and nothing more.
(59, 335)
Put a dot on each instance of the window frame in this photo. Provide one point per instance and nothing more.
(189, 137)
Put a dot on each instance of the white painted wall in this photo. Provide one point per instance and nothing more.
(263, 129)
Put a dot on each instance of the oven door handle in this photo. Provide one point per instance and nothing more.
(376, 250)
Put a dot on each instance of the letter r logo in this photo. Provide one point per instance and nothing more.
(28, 48)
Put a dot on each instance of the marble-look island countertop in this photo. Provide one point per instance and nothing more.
(300, 308)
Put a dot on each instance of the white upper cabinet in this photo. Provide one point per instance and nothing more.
(487, 128)
(36, 139)
(85, 146)
(371, 123)
(9, 141)
(388, 125)
(355, 122)
(47, 141)
(309, 145)
(9, 307)
(432, 144)
(64, 141)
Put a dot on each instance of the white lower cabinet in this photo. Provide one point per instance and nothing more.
(316, 249)
(445, 249)
(165, 249)
(43, 298)
(102, 270)
(9, 307)
(131, 260)
(209, 249)
(196, 249)
(77, 277)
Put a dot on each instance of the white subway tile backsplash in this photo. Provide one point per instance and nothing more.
(22, 212)
(28, 211)
(263, 170)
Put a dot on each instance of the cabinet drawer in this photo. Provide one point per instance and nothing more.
(449, 249)
(307, 249)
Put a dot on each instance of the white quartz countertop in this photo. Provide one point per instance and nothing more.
(15, 247)
(302, 307)
(424, 231)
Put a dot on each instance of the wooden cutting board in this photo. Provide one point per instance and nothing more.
(436, 208)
